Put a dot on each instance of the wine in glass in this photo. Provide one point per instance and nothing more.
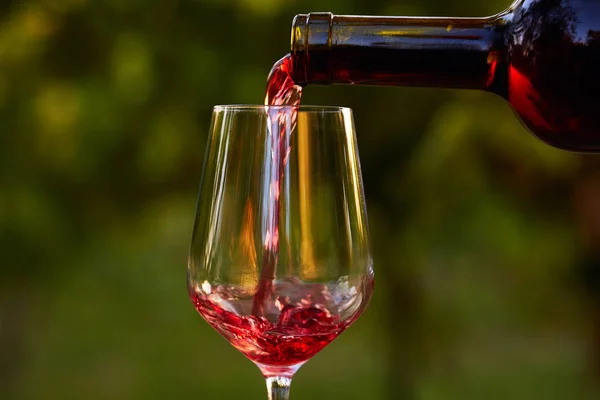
(280, 261)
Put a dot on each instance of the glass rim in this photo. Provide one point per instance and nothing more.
(300, 108)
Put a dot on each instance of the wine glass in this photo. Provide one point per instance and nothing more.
(280, 261)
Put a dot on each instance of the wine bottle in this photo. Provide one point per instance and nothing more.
(542, 56)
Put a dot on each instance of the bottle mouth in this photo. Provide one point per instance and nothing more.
(310, 45)
(311, 30)
(298, 39)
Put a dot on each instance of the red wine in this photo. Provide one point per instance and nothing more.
(305, 318)
(281, 91)
(542, 56)
(281, 87)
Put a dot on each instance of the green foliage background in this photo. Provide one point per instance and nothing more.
(484, 237)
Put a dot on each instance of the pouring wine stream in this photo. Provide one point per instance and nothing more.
(281, 91)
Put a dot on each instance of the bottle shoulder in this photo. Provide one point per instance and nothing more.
(553, 54)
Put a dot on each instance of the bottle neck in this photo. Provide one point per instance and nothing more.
(399, 51)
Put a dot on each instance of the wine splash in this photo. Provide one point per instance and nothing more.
(307, 318)
(281, 91)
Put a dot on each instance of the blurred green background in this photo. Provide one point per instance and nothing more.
(486, 241)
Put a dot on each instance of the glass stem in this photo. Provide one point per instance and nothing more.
(279, 387)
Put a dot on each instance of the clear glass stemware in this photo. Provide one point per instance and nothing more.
(280, 261)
